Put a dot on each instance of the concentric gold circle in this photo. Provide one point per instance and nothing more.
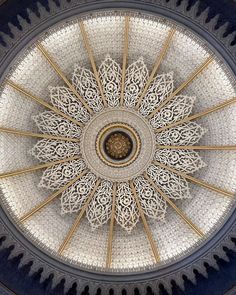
(118, 145)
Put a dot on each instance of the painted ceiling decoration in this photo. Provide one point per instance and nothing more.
(118, 143)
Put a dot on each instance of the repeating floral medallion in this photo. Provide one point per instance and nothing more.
(119, 144)
(121, 163)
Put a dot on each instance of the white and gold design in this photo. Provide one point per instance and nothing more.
(119, 143)
(118, 124)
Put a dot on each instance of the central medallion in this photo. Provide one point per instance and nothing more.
(118, 144)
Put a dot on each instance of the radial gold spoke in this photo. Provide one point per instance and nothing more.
(157, 65)
(199, 115)
(197, 181)
(177, 210)
(145, 224)
(36, 167)
(74, 227)
(92, 61)
(50, 198)
(37, 135)
(199, 147)
(110, 237)
(125, 58)
(194, 75)
(42, 102)
(62, 75)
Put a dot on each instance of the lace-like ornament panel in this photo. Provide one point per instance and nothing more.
(51, 123)
(47, 150)
(85, 83)
(154, 206)
(59, 175)
(63, 99)
(99, 209)
(110, 75)
(179, 108)
(160, 88)
(75, 196)
(127, 214)
(135, 80)
(184, 161)
(174, 186)
(185, 134)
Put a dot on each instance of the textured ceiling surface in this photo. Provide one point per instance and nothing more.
(186, 52)
(178, 227)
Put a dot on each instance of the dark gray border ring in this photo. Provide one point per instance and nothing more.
(94, 279)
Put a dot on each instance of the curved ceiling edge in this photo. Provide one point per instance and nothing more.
(214, 246)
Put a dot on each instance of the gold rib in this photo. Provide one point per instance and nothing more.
(198, 115)
(50, 198)
(42, 102)
(183, 85)
(125, 58)
(157, 65)
(199, 147)
(74, 227)
(197, 181)
(38, 135)
(92, 61)
(178, 211)
(36, 167)
(110, 237)
(62, 75)
(145, 224)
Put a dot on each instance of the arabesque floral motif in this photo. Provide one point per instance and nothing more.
(99, 209)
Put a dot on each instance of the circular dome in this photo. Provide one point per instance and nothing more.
(117, 136)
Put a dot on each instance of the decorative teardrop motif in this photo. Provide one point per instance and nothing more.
(182, 160)
(135, 80)
(110, 76)
(59, 175)
(85, 83)
(50, 123)
(127, 214)
(184, 134)
(173, 185)
(153, 205)
(63, 99)
(161, 87)
(178, 108)
(75, 196)
(99, 209)
(47, 150)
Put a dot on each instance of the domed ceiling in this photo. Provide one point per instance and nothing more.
(118, 141)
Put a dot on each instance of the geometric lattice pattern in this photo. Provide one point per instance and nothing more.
(160, 88)
(152, 203)
(135, 80)
(60, 174)
(50, 123)
(127, 214)
(74, 197)
(110, 76)
(47, 150)
(99, 209)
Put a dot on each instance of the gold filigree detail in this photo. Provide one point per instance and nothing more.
(118, 145)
